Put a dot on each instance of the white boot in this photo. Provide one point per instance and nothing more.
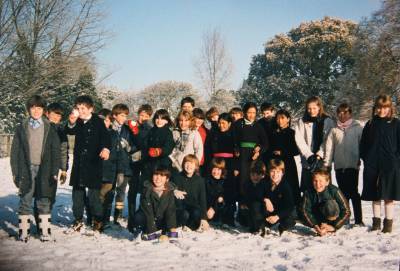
(45, 227)
(24, 225)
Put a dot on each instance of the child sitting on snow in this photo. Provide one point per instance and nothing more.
(157, 213)
(324, 207)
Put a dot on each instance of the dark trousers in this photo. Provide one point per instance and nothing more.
(93, 200)
(285, 223)
(347, 180)
(224, 213)
(189, 216)
(306, 180)
(257, 214)
(139, 222)
(135, 186)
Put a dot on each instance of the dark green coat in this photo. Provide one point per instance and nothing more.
(157, 208)
(312, 201)
(50, 160)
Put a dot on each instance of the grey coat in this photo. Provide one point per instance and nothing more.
(50, 160)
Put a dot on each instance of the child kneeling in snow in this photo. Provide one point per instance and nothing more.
(191, 196)
(157, 213)
(324, 207)
(279, 202)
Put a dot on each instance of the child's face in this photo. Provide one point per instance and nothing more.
(189, 167)
(216, 173)
(73, 116)
(313, 109)
(159, 180)
(143, 117)
(184, 123)
(198, 122)
(382, 112)
(85, 111)
(214, 117)
(320, 183)
(256, 178)
(36, 112)
(276, 175)
(224, 125)
(282, 121)
(107, 122)
(54, 117)
(268, 114)
(236, 116)
(344, 115)
(120, 118)
(251, 114)
(160, 122)
(187, 107)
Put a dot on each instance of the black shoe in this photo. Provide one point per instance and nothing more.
(387, 225)
(376, 224)
(78, 224)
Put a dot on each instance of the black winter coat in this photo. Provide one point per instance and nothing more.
(50, 161)
(157, 138)
(196, 192)
(110, 165)
(281, 198)
(215, 189)
(380, 151)
(157, 208)
(91, 138)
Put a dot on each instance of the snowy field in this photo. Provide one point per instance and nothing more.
(348, 249)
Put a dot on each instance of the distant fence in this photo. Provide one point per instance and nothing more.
(5, 144)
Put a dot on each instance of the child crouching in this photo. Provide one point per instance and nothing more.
(324, 207)
(279, 202)
(157, 214)
(191, 196)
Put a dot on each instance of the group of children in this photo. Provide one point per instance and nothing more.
(227, 168)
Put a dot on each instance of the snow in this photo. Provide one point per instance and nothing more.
(348, 249)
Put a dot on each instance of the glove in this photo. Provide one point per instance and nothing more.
(63, 177)
(136, 156)
(311, 159)
(133, 126)
(125, 144)
(155, 152)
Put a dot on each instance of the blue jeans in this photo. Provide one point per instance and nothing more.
(25, 202)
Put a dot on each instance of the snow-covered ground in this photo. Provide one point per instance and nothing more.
(348, 249)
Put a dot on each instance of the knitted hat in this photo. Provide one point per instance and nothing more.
(330, 209)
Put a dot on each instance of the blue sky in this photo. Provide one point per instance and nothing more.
(158, 40)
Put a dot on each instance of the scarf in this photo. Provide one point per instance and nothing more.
(35, 123)
(317, 131)
(117, 127)
(344, 125)
(247, 122)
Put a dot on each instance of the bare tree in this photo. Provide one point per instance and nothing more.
(32, 32)
(214, 66)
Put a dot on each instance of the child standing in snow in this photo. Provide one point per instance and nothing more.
(379, 149)
(127, 146)
(190, 192)
(157, 213)
(324, 207)
(310, 134)
(342, 148)
(187, 140)
(35, 162)
(92, 146)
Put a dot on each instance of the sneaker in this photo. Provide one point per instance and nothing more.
(78, 225)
